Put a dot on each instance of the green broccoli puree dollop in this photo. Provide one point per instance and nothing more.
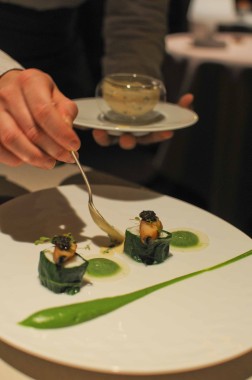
(101, 267)
(184, 239)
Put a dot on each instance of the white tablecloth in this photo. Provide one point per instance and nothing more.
(237, 52)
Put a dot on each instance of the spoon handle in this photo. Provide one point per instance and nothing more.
(83, 175)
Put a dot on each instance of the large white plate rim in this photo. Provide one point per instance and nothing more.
(69, 191)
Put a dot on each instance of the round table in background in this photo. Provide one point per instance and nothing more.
(212, 161)
(236, 54)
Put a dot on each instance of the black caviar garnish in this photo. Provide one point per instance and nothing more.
(62, 242)
(148, 216)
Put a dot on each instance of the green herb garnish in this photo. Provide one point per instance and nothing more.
(45, 239)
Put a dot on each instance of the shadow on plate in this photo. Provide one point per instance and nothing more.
(48, 212)
(126, 190)
(43, 213)
(10, 190)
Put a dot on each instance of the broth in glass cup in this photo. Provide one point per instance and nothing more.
(130, 98)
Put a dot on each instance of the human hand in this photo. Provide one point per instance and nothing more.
(35, 120)
(128, 141)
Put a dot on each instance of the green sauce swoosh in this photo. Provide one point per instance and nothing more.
(69, 315)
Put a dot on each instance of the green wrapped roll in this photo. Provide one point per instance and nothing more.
(63, 278)
(150, 251)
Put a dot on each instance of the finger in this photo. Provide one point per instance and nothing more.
(186, 100)
(24, 120)
(155, 137)
(13, 140)
(101, 137)
(66, 107)
(127, 141)
(43, 110)
(49, 146)
(9, 158)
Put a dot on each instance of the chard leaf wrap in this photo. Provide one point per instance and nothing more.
(153, 252)
(61, 279)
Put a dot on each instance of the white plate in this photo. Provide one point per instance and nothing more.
(195, 323)
(174, 117)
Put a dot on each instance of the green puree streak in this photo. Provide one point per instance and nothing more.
(64, 316)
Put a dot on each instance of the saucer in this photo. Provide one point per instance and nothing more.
(171, 117)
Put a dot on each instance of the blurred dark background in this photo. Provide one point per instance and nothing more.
(206, 164)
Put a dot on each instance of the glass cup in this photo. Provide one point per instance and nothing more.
(130, 98)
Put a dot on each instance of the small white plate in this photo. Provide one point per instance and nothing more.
(174, 117)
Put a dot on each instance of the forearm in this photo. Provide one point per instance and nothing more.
(134, 34)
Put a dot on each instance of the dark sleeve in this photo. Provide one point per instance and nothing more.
(134, 32)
